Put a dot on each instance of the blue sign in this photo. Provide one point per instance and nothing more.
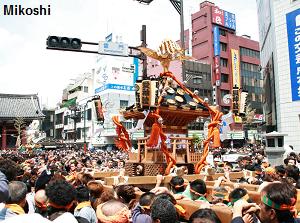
(136, 69)
(293, 31)
(108, 38)
(114, 86)
(229, 20)
(216, 41)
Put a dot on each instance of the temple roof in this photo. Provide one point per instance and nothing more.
(18, 105)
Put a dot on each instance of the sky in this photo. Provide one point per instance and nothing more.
(26, 67)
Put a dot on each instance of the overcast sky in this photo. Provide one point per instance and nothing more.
(26, 67)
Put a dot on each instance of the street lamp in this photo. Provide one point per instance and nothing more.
(96, 97)
(74, 114)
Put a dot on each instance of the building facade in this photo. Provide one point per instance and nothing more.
(235, 59)
(16, 113)
(279, 34)
(234, 62)
(70, 122)
(114, 82)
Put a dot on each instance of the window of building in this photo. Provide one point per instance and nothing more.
(127, 125)
(86, 89)
(123, 103)
(78, 133)
(89, 114)
(224, 78)
(224, 62)
(51, 118)
(224, 92)
(249, 52)
(65, 120)
(51, 132)
(223, 46)
(197, 80)
(222, 32)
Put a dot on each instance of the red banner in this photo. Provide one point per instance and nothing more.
(217, 16)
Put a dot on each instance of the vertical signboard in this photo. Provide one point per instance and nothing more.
(216, 41)
(217, 55)
(217, 70)
(293, 31)
(229, 20)
(217, 16)
(235, 61)
(223, 18)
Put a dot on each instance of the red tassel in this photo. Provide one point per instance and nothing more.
(155, 132)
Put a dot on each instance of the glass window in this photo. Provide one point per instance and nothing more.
(78, 133)
(224, 78)
(123, 104)
(86, 89)
(224, 62)
(223, 46)
(249, 52)
(197, 80)
(89, 114)
(65, 120)
(224, 92)
(222, 32)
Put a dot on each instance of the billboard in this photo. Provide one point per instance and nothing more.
(115, 73)
(216, 41)
(235, 61)
(223, 18)
(217, 70)
(293, 31)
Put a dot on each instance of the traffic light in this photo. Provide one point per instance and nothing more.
(64, 42)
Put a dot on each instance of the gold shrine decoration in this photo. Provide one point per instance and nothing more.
(167, 52)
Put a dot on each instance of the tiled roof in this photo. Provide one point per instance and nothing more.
(16, 105)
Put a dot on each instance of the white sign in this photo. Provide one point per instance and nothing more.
(226, 98)
(112, 48)
(205, 128)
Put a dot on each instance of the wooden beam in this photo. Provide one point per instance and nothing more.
(223, 212)
(152, 179)
(102, 175)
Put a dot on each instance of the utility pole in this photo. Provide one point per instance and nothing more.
(143, 56)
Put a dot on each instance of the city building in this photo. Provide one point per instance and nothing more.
(70, 122)
(48, 123)
(114, 82)
(279, 35)
(234, 61)
(16, 113)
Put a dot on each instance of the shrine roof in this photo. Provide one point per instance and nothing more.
(18, 105)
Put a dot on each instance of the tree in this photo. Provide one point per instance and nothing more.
(196, 140)
(19, 125)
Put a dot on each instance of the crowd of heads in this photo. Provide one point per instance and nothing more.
(59, 186)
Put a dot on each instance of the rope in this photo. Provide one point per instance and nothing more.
(213, 130)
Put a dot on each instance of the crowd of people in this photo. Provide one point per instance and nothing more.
(59, 186)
